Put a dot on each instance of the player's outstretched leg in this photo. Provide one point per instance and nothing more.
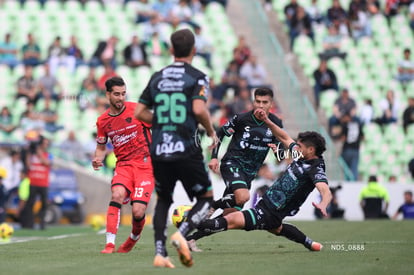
(294, 234)
(197, 214)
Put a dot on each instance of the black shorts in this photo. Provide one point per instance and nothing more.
(191, 172)
(261, 218)
(234, 177)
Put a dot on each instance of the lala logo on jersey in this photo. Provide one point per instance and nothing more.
(128, 119)
(169, 147)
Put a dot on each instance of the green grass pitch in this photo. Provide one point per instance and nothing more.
(369, 247)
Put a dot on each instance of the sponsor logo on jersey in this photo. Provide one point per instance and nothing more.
(170, 85)
(269, 132)
(128, 119)
(169, 147)
(119, 140)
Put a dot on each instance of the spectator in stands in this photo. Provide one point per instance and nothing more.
(105, 53)
(163, 9)
(243, 102)
(290, 12)
(6, 120)
(366, 113)
(204, 47)
(241, 51)
(300, 24)
(89, 146)
(343, 105)
(31, 121)
(206, 2)
(406, 68)
(229, 80)
(332, 44)
(315, 13)
(325, 79)
(338, 17)
(374, 199)
(90, 97)
(31, 52)
(351, 137)
(155, 25)
(144, 11)
(56, 55)
(391, 9)
(74, 55)
(9, 52)
(27, 85)
(156, 46)
(407, 208)
(390, 108)
(359, 22)
(254, 72)
(411, 15)
(408, 115)
(108, 73)
(72, 149)
(182, 12)
(49, 86)
(135, 54)
(50, 117)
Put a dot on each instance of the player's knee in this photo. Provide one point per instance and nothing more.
(118, 194)
(241, 197)
(138, 213)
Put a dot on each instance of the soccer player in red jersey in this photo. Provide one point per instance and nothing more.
(133, 178)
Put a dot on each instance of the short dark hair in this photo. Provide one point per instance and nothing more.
(313, 139)
(114, 81)
(182, 42)
(263, 92)
(372, 178)
(408, 192)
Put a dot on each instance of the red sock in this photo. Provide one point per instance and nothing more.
(113, 217)
(137, 226)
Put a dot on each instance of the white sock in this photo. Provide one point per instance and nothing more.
(110, 237)
(134, 237)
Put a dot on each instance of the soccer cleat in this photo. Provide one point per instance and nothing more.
(180, 243)
(109, 248)
(127, 245)
(315, 246)
(160, 261)
(193, 246)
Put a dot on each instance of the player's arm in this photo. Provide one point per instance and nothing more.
(214, 163)
(326, 195)
(143, 113)
(100, 153)
(203, 117)
(278, 132)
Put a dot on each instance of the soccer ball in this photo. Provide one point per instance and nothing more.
(97, 222)
(6, 231)
(180, 214)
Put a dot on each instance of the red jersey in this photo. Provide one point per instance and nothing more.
(130, 137)
(39, 172)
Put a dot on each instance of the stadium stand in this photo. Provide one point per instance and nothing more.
(368, 71)
(92, 23)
